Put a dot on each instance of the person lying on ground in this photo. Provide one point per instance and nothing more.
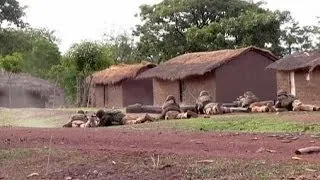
(80, 119)
(116, 117)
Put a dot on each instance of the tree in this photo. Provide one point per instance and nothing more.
(87, 58)
(65, 75)
(12, 64)
(121, 48)
(174, 27)
(38, 46)
(44, 52)
(14, 40)
(11, 13)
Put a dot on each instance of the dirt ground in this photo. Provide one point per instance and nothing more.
(105, 153)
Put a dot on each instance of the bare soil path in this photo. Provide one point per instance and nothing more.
(196, 144)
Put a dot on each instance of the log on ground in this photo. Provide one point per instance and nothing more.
(308, 150)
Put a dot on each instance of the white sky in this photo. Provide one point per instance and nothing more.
(76, 20)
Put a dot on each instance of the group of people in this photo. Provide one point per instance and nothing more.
(205, 105)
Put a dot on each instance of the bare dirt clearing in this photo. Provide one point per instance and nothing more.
(183, 149)
(125, 154)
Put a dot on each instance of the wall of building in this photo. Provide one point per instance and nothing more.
(138, 91)
(98, 94)
(283, 81)
(21, 99)
(194, 85)
(161, 89)
(246, 73)
(308, 91)
(114, 96)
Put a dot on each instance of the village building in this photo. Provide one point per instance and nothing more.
(299, 74)
(25, 91)
(226, 74)
(117, 86)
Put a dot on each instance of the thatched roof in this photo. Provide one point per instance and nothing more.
(299, 60)
(32, 84)
(198, 63)
(117, 73)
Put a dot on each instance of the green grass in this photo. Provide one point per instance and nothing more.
(252, 123)
(38, 118)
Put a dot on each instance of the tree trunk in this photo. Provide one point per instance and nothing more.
(79, 91)
(86, 88)
(10, 94)
(89, 94)
(54, 94)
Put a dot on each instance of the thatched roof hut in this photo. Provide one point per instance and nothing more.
(299, 60)
(199, 63)
(117, 73)
(32, 84)
(299, 74)
(225, 74)
(26, 85)
(118, 87)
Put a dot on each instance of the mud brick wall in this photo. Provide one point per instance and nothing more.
(114, 96)
(283, 81)
(308, 91)
(194, 85)
(161, 89)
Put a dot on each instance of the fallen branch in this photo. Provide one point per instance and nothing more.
(308, 150)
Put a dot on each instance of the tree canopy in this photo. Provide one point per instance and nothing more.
(11, 13)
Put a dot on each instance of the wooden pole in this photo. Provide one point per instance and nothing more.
(292, 83)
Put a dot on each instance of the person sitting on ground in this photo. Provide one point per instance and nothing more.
(171, 110)
(284, 101)
(205, 105)
(248, 98)
(203, 99)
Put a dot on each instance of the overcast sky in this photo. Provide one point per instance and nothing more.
(76, 20)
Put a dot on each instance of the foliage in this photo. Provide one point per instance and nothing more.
(44, 54)
(12, 63)
(79, 63)
(11, 13)
(89, 57)
(173, 27)
(252, 123)
(298, 38)
(65, 75)
(13, 40)
(121, 47)
(38, 46)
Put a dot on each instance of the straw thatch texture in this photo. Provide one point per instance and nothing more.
(199, 63)
(118, 73)
(28, 83)
(299, 60)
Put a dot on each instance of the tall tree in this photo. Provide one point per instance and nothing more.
(11, 13)
(173, 27)
(12, 64)
(121, 47)
(39, 48)
(44, 52)
(87, 57)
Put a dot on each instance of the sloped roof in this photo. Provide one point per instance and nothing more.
(118, 73)
(29, 83)
(298, 60)
(199, 63)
